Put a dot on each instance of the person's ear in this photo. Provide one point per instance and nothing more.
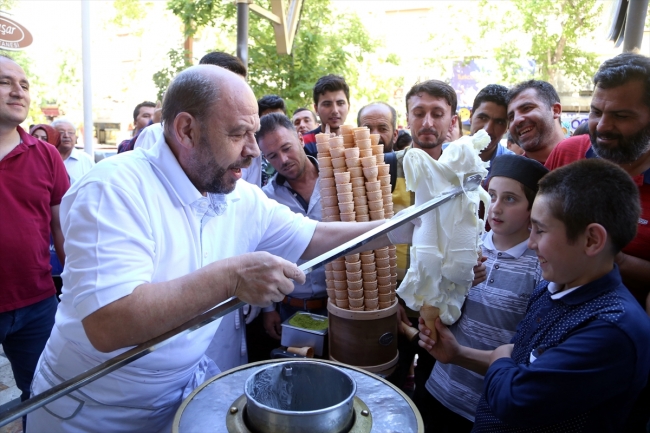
(185, 130)
(595, 239)
(454, 119)
(557, 110)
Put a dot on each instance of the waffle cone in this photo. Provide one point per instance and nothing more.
(430, 313)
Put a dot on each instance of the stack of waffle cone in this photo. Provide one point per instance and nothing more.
(362, 183)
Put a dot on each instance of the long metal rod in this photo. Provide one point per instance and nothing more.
(220, 310)
(119, 361)
(471, 183)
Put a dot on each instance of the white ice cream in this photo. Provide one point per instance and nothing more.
(445, 245)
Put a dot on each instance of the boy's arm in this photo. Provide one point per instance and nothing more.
(448, 351)
(595, 364)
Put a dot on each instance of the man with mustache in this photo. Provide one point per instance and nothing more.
(430, 108)
(534, 112)
(381, 119)
(295, 185)
(194, 236)
(332, 103)
(619, 131)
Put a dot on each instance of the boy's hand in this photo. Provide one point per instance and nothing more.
(446, 349)
(480, 272)
(504, 351)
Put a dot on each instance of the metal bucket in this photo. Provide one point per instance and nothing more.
(300, 396)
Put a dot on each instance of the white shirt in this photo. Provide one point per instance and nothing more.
(78, 164)
(137, 218)
(149, 136)
(253, 173)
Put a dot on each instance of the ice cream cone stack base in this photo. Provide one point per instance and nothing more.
(430, 313)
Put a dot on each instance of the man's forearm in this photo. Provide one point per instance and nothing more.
(331, 235)
(155, 308)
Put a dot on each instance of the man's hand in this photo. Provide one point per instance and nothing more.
(404, 233)
(504, 351)
(272, 324)
(446, 349)
(157, 113)
(261, 278)
(480, 272)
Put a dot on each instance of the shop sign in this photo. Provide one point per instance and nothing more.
(13, 36)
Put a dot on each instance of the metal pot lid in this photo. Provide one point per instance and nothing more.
(207, 408)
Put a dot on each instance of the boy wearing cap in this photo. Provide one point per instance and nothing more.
(494, 307)
(581, 354)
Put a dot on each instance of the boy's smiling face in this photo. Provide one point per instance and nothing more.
(561, 262)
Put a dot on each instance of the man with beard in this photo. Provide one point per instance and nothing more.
(534, 112)
(194, 236)
(294, 185)
(619, 131)
(430, 109)
(381, 119)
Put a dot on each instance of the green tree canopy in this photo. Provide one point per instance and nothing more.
(326, 43)
(556, 33)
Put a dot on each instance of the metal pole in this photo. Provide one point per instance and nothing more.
(87, 87)
(242, 31)
(636, 12)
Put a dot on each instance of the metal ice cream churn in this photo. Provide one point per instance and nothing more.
(297, 396)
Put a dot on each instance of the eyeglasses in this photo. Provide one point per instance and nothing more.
(67, 133)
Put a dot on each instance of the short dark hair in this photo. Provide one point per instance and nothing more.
(226, 61)
(270, 102)
(404, 140)
(437, 89)
(576, 197)
(298, 110)
(624, 68)
(393, 113)
(271, 122)
(331, 83)
(491, 93)
(136, 112)
(191, 92)
(543, 89)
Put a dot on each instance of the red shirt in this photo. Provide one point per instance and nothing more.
(32, 179)
(579, 147)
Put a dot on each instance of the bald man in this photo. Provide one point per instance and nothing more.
(191, 229)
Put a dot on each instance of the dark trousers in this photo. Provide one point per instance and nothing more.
(438, 419)
(23, 334)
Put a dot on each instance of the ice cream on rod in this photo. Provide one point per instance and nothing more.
(446, 243)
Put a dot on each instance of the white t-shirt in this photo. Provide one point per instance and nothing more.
(78, 164)
(137, 218)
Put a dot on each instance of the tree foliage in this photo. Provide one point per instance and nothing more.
(326, 43)
(552, 33)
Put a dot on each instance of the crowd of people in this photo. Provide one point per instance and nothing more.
(217, 195)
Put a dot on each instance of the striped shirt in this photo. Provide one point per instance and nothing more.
(490, 316)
